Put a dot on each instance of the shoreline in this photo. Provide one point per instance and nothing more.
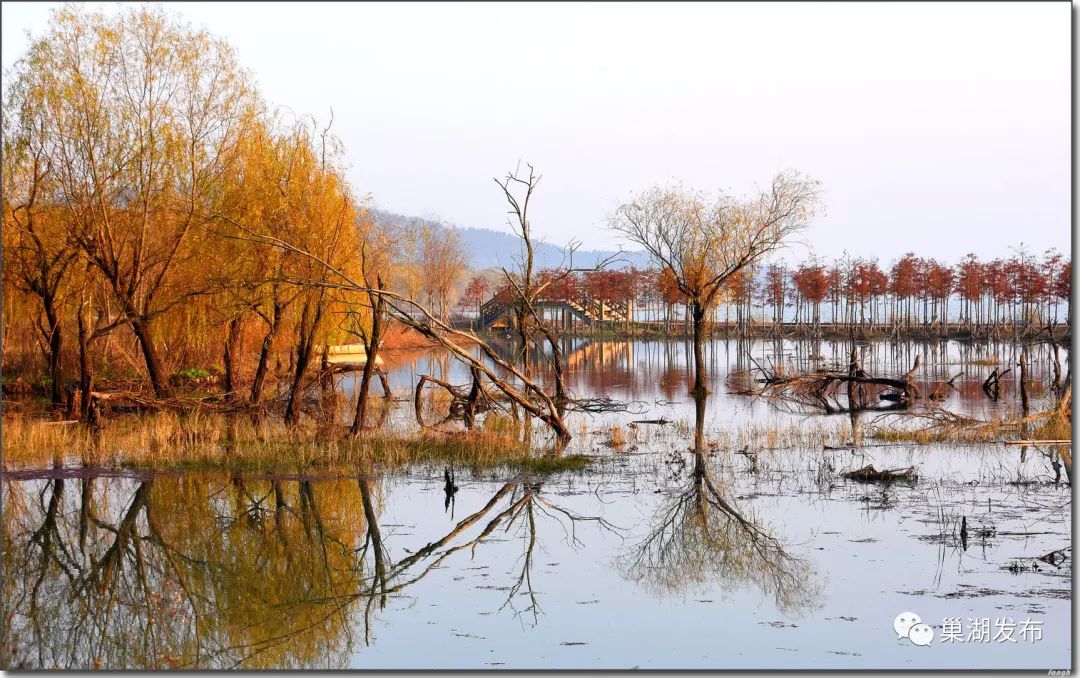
(1061, 334)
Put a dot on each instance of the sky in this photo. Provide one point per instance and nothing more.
(942, 128)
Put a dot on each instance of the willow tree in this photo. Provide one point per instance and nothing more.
(37, 255)
(298, 194)
(140, 116)
(323, 220)
(260, 200)
(701, 241)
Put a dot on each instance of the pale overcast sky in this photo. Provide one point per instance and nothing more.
(936, 127)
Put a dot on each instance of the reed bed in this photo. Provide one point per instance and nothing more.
(940, 426)
(169, 441)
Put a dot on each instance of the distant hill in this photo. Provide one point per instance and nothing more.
(489, 248)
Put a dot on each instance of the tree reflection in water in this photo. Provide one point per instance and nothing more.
(515, 507)
(699, 537)
(202, 570)
(206, 570)
(179, 571)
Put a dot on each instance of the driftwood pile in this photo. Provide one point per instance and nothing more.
(465, 401)
(869, 474)
(468, 401)
(835, 391)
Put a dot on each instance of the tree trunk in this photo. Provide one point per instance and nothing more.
(1024, 399)
(141, 327)
(372, 350)
(55, 346)
(309, 325)
(698, 312)
(474, 398)
(259, 380)
(85, 379)
(232, 338)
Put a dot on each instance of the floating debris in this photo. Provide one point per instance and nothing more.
(869, 474)
(1057, 557)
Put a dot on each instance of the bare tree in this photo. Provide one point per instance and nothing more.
(522, 279)
(525, 286)
(702, 241)
(445, 262)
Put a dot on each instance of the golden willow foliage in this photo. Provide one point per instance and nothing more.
(139, 163)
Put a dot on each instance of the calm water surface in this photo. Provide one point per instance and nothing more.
(770, 561)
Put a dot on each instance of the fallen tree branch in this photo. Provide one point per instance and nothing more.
(465, 402)
(821, 390)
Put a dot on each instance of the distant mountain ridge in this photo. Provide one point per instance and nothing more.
(488, 248)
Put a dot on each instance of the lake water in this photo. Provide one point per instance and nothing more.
(651, 557)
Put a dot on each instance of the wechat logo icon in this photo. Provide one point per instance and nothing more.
(910, 625)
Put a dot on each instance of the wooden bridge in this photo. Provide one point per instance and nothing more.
(498, 311)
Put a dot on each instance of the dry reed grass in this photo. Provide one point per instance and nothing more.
(617, 439)
(166, 440)
(939, 426)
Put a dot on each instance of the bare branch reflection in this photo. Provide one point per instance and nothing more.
(701, 537)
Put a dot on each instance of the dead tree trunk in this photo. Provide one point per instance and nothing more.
(474, 397)
(992, 385)
(820, 389)
(1025, 401)
(1057, 366)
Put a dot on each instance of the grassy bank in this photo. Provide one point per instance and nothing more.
(170, 441)
(166, 440)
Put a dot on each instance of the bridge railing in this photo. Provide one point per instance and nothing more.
(588, 308)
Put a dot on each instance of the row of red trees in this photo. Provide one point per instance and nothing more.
(1021, 290)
